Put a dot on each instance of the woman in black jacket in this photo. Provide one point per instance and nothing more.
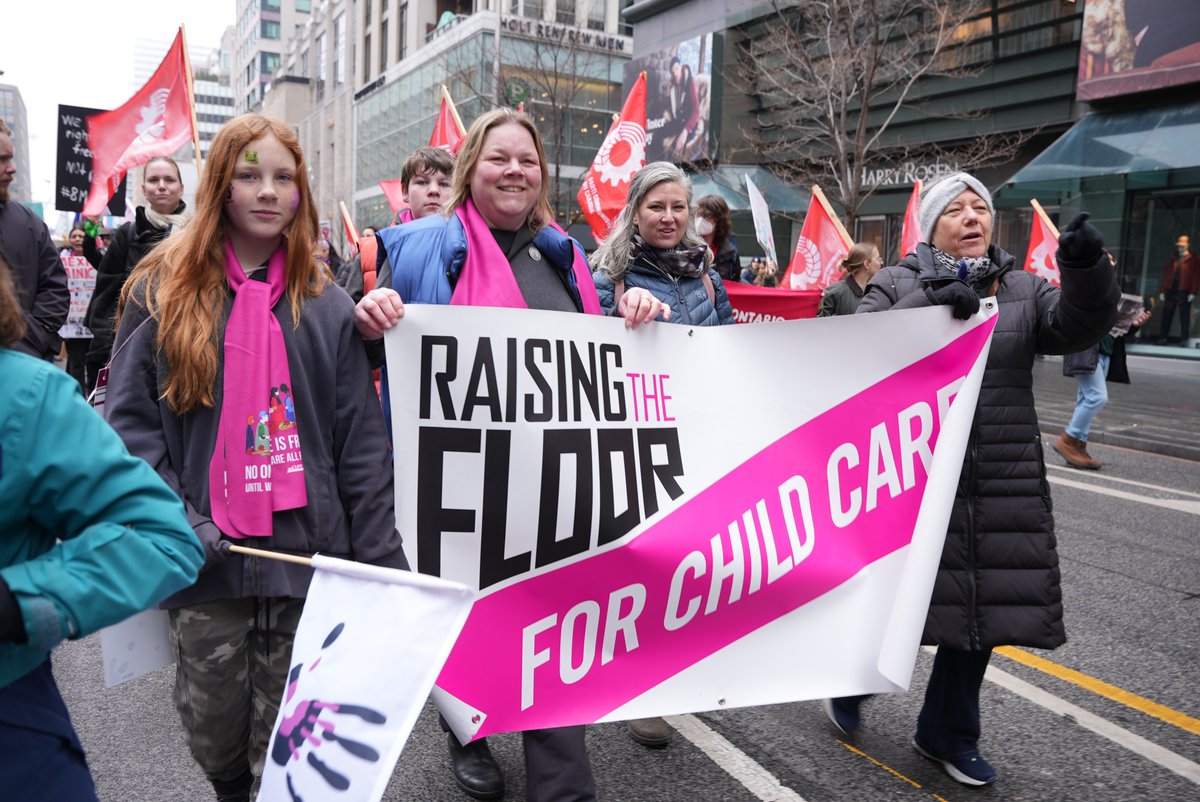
(164, 213)
(998, 580)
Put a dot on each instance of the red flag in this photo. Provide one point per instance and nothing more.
(910, 233)
(822, 245)
(1043, 245)
(753, 304)
(623, 153)
(157, 121)
(394, 192)
(448, 131)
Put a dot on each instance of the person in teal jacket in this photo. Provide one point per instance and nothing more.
(89, 535)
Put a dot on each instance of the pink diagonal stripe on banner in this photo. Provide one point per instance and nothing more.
(485, 669)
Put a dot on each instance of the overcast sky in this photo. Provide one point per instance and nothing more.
(80, 53)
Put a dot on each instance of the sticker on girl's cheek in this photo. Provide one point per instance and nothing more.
(252, 157)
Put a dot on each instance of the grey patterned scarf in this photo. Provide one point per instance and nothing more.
(678, 262)
(969, 268)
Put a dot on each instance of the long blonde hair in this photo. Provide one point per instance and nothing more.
(468, 155)
(183, 279)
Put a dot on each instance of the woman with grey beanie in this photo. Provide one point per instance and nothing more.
(998, 580)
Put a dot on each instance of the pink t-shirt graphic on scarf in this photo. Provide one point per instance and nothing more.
(257, 461)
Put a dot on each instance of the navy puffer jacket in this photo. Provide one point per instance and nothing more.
(998, 581)
(687, 297)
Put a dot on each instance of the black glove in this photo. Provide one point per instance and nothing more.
(957, 295)
(1080, 243)
(12, 626)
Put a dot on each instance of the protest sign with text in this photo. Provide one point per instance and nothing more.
(641, 551)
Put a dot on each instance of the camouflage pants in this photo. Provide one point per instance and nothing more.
(231, 666)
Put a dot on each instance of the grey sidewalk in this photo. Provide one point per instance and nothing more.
(1159, 412)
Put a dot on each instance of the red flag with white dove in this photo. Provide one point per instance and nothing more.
(157, 121)
(621, 155)
(822, 245)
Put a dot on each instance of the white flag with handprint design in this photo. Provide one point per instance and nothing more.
(369, 646)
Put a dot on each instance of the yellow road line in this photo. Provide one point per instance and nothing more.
(889, 769)
(1139, 703)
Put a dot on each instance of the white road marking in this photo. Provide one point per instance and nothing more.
(1105, 478)
(1190, 507)
(1101, 726)
(763, 784)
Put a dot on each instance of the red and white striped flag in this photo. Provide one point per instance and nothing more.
(1043, 245)
(910, 232)
(822, 245)
(157, 121)
(621, 155)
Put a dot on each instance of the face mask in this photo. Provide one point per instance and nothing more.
(1182, 250)
(703, 226)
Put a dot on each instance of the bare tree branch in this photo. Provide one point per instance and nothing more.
(833, 77)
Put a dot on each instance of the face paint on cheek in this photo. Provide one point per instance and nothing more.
(295, 202)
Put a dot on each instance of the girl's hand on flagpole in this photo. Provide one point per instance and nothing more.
(378, 311)
(639, 306)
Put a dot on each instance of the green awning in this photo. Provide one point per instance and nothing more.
(728, 181)
(1116, 143)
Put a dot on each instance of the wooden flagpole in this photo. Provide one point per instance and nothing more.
(191, 89)
(349, 223)
(453, 109)
(1037, 207)
(272, 555)
(820, 196)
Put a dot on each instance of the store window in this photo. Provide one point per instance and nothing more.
(1150, 265)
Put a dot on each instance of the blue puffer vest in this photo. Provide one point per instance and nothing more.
(687, 297)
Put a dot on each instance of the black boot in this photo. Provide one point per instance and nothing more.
(475, 770)
(235, 790)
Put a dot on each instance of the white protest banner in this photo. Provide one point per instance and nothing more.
(370, 644)
(81, 283)
(762, 219)
(640, 549)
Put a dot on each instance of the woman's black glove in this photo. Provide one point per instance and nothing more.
(957, 295)
(12, 626)
(1080, 243)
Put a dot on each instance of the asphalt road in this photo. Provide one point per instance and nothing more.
(1129, 539)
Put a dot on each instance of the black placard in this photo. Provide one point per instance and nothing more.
(74, 173)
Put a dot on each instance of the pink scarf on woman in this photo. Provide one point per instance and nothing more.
(488, 280)
(256, 467)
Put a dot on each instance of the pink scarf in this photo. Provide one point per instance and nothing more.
(487, 279)
(257, 466)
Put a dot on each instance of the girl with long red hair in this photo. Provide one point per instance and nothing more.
(232, 307)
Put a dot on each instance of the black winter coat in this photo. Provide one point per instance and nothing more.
(998, 581)
(129, 244)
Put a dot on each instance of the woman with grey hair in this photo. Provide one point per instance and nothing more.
(653, 246)
(998, 579)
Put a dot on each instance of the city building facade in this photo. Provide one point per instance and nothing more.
(12, 111)
(1118, 152)
(263, 27)
(562, 62)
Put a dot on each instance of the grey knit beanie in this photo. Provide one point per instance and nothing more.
(938, 196)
